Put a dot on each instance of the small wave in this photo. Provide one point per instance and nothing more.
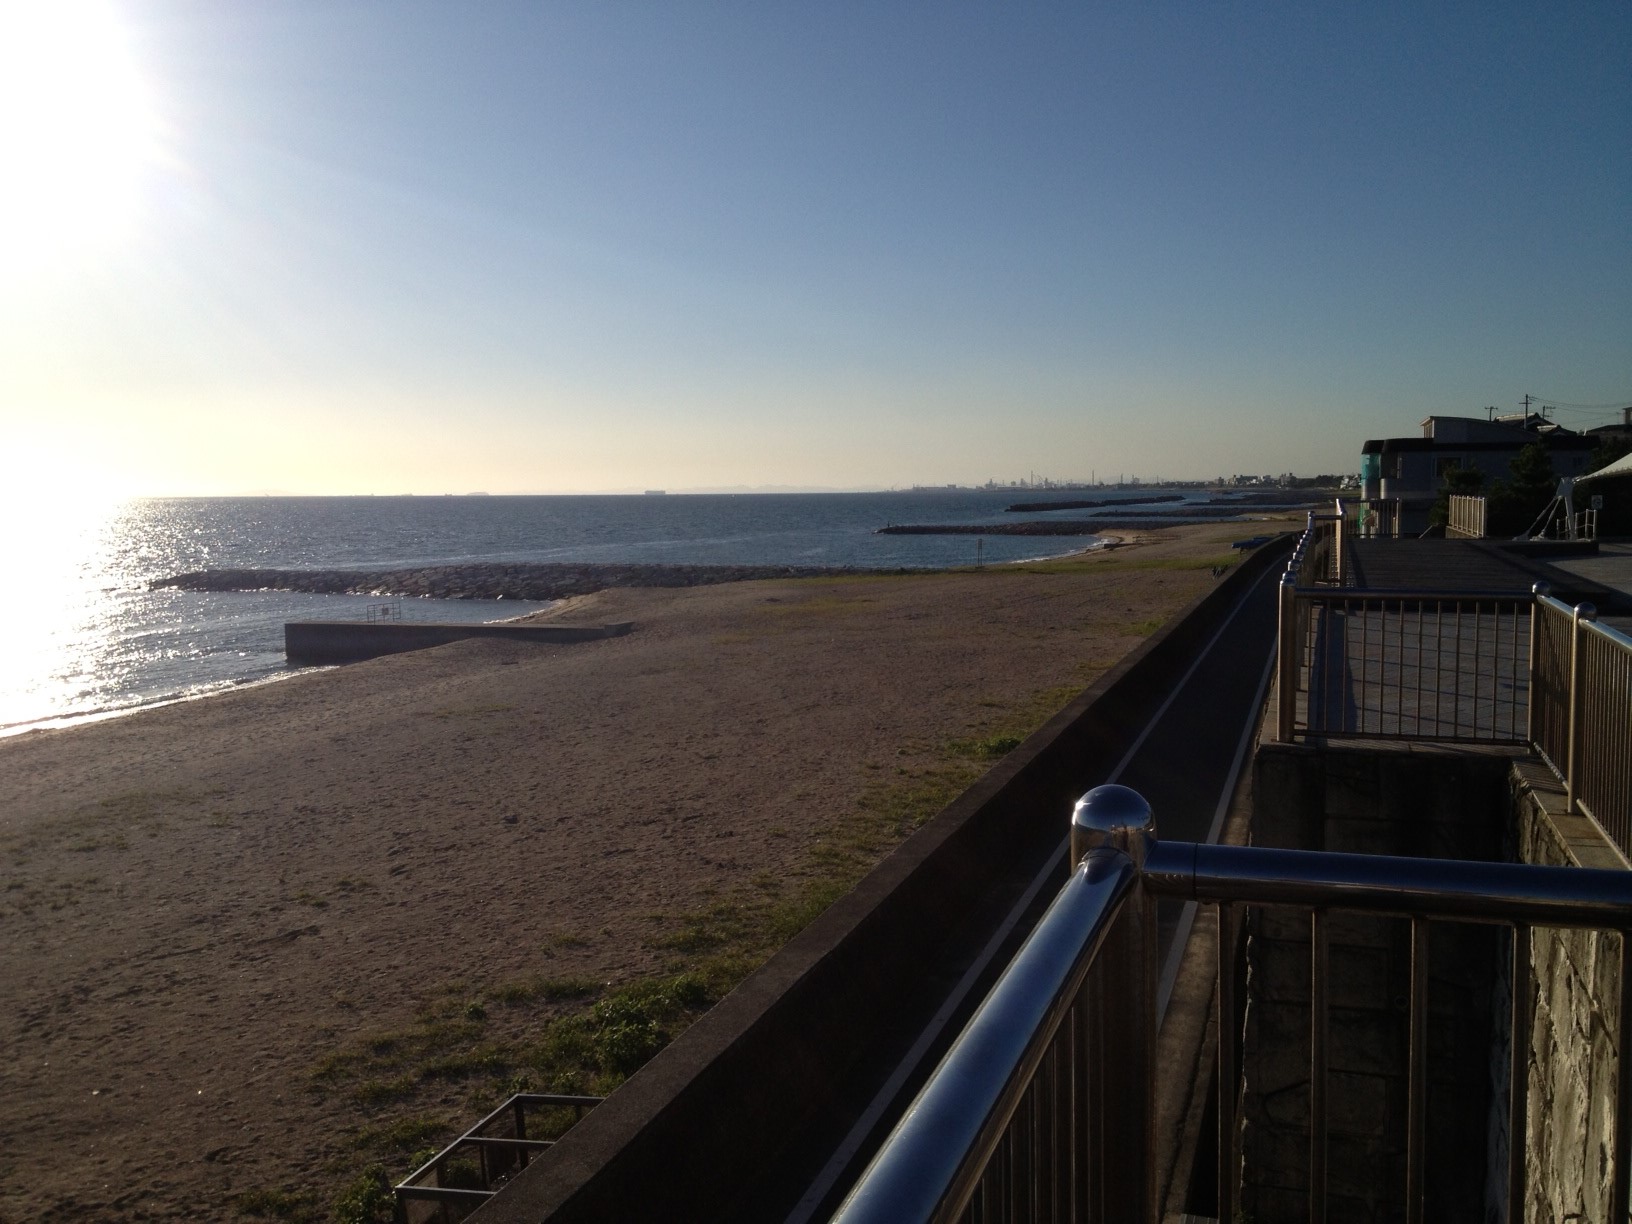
(74, 718)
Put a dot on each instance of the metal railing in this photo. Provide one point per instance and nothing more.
(471, 1169)
(1438, 665)
(1380, 518)
(1320, 555)
(1042, 1110)
(1466, 518)
(1464, 667)
(1581, 711)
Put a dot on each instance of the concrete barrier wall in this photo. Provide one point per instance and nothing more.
(772, 1060)
(307, 643)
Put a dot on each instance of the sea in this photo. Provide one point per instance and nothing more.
(83, 636)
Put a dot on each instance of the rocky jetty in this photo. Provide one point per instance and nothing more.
(1057, 527)
(489, 581)
(1039, 507)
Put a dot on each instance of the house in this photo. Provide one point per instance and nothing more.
(1412, 470)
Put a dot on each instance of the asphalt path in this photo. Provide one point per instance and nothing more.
(1185, 761)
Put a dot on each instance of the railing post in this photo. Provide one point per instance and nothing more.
(1124, 1061)
(1286, 659)
(1538, 592)
(1339, 547)
(1582, 612)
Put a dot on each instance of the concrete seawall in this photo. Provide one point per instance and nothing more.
(307, 643)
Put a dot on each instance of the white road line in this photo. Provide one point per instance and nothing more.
(846, 1151)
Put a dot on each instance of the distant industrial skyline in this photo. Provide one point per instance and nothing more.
(414, 246)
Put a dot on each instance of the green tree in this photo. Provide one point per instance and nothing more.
(1457, 481)
(1516, 503)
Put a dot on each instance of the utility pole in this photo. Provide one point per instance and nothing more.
(1528, 398)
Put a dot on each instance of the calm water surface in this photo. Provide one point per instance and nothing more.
(84, 637)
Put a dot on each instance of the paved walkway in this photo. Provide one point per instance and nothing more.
(1611, 568)
(1437, 565)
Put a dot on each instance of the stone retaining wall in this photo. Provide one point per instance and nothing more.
(1573, 1022)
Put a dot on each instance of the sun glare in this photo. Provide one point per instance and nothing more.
(77, 127)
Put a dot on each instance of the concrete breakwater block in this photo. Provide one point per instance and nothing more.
(306, 643)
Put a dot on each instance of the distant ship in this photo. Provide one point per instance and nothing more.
(655, 492)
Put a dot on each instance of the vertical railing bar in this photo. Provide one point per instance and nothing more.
(1456, 675)
(1400, 675)
(1349, 720)
(1417, 726)
(1098, 1115)
(1051, 1190)
(1317, 1066)
(1572, 781)
(1286, 660)
(1518, 1077)
(1621, 1146)
(1512, 724)
(1417, 1082)
(1228, 1061)
(1438, 655)
(1481, 644)
(1472, 713)
(1364, 703)
(1521, 616)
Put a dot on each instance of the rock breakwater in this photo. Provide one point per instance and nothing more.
(1046, 527)
(1089, 504)
(490, 581)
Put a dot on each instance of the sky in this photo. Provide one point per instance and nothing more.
(389, 246)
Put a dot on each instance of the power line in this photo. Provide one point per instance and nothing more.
(1612, 406)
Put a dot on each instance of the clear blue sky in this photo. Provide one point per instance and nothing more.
(390, 246)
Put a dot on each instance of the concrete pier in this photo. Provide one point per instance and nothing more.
(315, 642)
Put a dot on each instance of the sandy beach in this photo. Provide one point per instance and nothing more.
(208, 908)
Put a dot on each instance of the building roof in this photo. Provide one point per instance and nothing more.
(1560, 441)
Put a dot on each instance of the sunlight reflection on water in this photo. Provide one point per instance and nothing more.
(86, 637)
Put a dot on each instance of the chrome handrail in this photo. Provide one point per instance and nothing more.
(1039, 1098)
(938, 1158)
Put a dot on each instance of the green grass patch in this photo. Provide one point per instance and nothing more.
(606, 1036)
(539, 988)
(991, 748)
(819, 605)
(366, 1200)
(299, 1206)
(410, 1134)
